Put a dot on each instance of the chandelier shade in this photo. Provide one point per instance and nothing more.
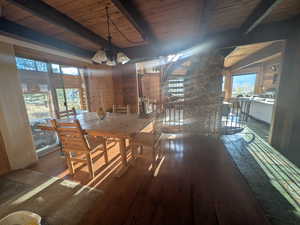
(109, 56)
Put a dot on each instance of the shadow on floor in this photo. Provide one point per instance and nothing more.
(274, 180)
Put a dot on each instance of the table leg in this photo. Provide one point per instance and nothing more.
(122, 146)
(123, 169)
(133, 148)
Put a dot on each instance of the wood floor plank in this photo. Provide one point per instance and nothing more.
(196, 183)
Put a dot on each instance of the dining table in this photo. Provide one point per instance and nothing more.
(113, 125)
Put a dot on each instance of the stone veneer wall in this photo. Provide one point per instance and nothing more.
(203, 90)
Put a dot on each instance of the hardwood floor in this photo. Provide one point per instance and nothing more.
(196, 182)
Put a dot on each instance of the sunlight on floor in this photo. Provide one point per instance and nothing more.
(34, 191)
(283, 174)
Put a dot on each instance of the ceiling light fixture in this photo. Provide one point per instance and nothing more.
(109, 56)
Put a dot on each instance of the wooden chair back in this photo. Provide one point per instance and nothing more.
(67, 113)
(121, 109)
(71, 136)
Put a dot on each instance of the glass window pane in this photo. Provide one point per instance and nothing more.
(39, 109)
(37, 105)
(41, 66)
(73, 98)
(243, 84)
(61, 99)
(55, 68)
(69, 70)
(25, 64)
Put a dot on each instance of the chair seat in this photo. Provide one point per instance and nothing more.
(145, 139)
(95, 142)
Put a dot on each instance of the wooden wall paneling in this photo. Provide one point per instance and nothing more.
(125, 86)
(270, 77)
(118, 86)
(264, 74)
(4, 163)
(286, 121)
(84, 93)
(100, 87)
(228, 84)
(130, 88)
(151, 86)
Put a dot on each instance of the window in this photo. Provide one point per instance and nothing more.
(55, 68)
(243, 84)
(73, 98)
(41, 66)
(25, 64)
(37, 105)
(39, 110)
(39, 96)
(68, 70)
(30, 64)
(176, 88)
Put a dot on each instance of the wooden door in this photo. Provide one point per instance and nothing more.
(4, 164)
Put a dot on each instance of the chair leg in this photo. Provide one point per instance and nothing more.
(105, 152)
(90, 165)
(141, 149)
(133, 149)
(70, 163)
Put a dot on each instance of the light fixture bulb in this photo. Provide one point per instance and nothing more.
(100, 57)
(122, 58)
(111, 63)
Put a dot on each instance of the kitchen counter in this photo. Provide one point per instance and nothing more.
(262, 110)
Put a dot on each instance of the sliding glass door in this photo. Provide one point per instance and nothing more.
(47, 90)
(38, 99)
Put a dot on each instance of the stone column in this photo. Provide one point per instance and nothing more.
(203, 90)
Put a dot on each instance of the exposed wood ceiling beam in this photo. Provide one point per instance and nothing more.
(129, 10)
(260, 12)
(52, 15)
(207, 7)
(273, 49)
(221, 40)
(16, 30)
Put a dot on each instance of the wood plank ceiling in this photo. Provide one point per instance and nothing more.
(175, 21)
(243, 52)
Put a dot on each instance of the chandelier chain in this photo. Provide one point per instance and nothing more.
(117, 28)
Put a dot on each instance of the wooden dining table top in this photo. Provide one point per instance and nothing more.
(113, 125)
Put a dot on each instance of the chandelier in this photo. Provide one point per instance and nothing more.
(109, 55)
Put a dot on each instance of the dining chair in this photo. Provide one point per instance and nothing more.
(150, 140)
(121, 109)
(65, 114)
(75, 144)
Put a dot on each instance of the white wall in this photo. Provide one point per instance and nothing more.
(14, 124)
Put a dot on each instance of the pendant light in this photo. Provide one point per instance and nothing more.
(109, 55)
